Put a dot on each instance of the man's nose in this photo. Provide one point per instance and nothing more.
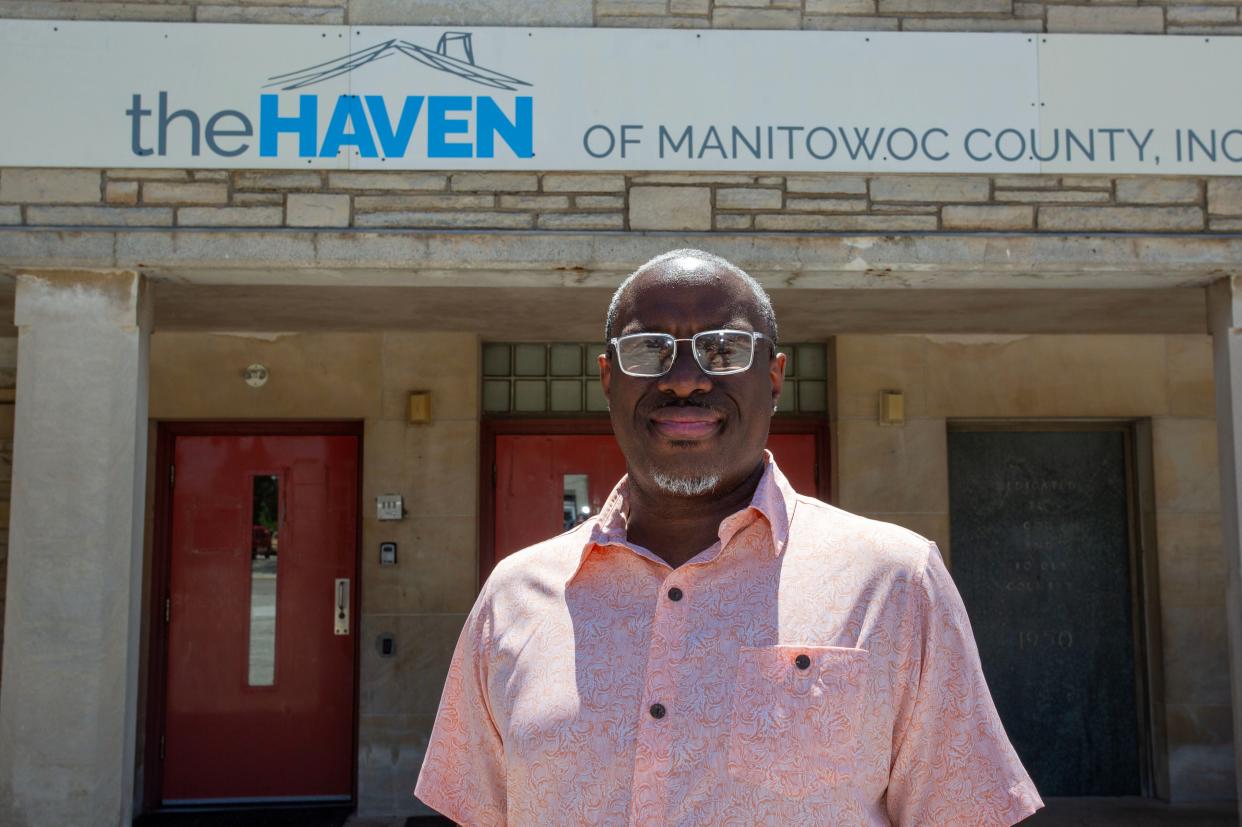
(685, 377)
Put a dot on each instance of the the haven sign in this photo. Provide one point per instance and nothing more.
(255, 96)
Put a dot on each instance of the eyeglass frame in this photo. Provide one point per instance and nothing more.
(754, 335)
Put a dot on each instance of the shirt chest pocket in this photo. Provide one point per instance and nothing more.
(796, 714)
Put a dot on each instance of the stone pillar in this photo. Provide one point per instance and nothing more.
(68, 694)
(1225, 321)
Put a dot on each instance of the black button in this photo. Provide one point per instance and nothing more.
(657, 711)
(802, 662)
(674, 594)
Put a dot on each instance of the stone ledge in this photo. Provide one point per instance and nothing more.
(598, 258)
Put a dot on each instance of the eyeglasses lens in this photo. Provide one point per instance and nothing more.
(646, 355)
(723, 351)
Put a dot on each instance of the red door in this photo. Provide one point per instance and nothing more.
(545, 483)
(259, 697)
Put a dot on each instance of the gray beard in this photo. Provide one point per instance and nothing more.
(685, 486)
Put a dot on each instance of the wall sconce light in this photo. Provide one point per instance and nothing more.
(420, 407)
(892, 408)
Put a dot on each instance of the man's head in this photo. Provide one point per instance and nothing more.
(688, 432)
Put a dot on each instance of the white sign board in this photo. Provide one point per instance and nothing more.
(92, 94)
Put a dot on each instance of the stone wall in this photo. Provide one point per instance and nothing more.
(900, 474)
(131, 198)
(424, 599)
(1128, 16)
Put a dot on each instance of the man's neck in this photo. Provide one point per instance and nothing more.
(677, 528)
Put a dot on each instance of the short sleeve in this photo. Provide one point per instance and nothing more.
(463, 774)
(953, 763)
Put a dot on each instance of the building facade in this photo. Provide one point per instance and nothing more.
(958, 341)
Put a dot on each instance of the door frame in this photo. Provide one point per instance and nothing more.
(1144, 577)
(161, 549)
(490, 428)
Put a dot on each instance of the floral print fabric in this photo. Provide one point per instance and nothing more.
(817, 668)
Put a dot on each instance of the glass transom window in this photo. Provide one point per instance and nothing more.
(560, 378)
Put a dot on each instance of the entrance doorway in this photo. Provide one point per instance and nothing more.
(1044, 534)
(258, 597)
(541, 477)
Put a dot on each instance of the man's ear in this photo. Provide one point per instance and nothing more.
(605, 373)
(776, 372)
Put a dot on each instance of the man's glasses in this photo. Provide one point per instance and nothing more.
(718, 352)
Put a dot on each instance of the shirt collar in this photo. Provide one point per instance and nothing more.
(773, 500)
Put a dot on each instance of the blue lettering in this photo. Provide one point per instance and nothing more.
(272, 124)
(927, 151)
(518, 133)
(394, 142)
(439, 127)
(966, 144)
(348, 113)
(861, 146)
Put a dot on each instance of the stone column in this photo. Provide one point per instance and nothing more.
(68, 694)
(1225, 321)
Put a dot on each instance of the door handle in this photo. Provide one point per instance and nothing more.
(340, 613)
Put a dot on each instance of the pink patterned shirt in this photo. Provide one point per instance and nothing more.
(812, 667)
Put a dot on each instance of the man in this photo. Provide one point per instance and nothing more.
(713, 648)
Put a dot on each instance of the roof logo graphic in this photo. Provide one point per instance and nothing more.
(438, 59)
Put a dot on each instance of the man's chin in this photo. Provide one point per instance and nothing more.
(685, 485)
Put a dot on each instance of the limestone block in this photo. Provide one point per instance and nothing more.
(1027, 182)
(230, 217)
(1106, 19)
(447, 364)
(61, 10)
(259, 199)
(1202, 14)
(1028, 10)
(915, 188)
(375, 203)
(1192, 559)
(845, 22)
(752, 4)
(971, 24)
(437, 573)
(581, 221)
(1157, 191)
(271, 14)
(385, 181)
(689, 6)
(10, 215)
(495, 181)
(488, 220)
(1046, 376)
(887, 469)
(1185, 463)
(1052, 196)
(630, 8)
(957, 217)
(670, 208)
(826, 204)
(317, 210)
(1224, 225)
(471, 12)
(1201, 754)
(1125, 219)
(697, 179)
(869, 364)
(211, 175)
(1224, 196)
(734, 222)
(846, 223)
(756, 19)
(258, 180)
(748, 199)
(599, 202)
(1195, 655)
(148, 174)
(653, 22)
(945, 6)
(535, 202)
(50, 186)
(158, 192)
(840, 6)
(1191, 383)
(100, 216)
(583, 183)
(121, 192)
(827, 184)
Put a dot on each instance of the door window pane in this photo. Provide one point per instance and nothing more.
(578, 505)
(264, 548)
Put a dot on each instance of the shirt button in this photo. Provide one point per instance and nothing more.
(674, 594)
(657, 711)
(802, 662)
